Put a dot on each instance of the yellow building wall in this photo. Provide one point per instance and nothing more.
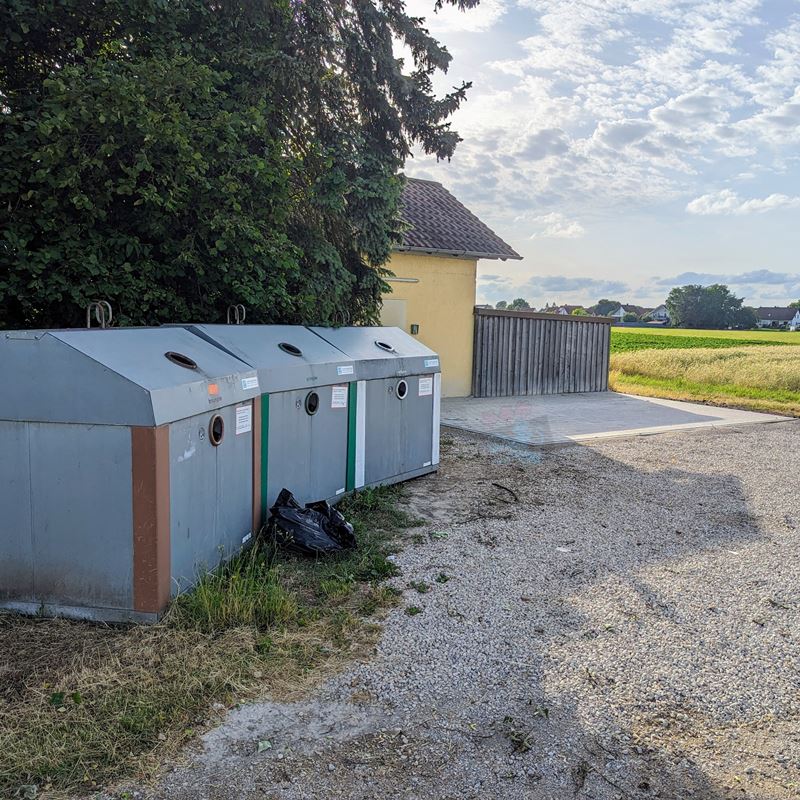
(438, 294)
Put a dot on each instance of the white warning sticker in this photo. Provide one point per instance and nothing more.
(346, 370)
(339, 396)
(425, 386)
(250, 383)
(244, 419)
(431, 362)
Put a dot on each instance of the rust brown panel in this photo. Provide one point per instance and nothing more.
(256, 465)
(151, 544)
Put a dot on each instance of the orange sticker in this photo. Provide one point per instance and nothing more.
(213, 389)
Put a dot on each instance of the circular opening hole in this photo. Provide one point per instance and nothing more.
(181, 360)
(402, 389)
(384, 346)
(216, 430)
(312, 403)
(290, 349)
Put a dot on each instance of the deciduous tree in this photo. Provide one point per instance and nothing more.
(176, 156)
(714, 306)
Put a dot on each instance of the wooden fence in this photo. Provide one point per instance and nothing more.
(521, 353)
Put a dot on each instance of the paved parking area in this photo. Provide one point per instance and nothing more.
(558, 418)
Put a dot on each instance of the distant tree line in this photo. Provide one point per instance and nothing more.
(690, 306)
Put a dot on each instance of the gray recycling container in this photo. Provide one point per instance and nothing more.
(127, 467)
(396, 403)
(305, 385)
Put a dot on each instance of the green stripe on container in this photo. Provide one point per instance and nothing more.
(264, 454)
(352, 407)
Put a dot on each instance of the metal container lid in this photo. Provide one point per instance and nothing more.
(286, 357)
(117, 376)
(382, 352)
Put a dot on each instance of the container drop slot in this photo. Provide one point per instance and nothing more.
(216, 430)
(181, 360)
(312, 403)
(384, 346)
(290, 349)
(401, 390)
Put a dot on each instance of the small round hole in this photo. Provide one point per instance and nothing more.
(384, 346)
(402, 389)
(181, 360)
(290, 349)
(312, 403)
(216, 430)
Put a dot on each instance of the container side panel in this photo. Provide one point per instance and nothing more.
(383, 432)
(328, 466)
(289, 451)
(418, 417)
(398, 432)
(234, 482)
(193, 505)
(308, 452)
(151, 535)
(82, 516)
(16, 543)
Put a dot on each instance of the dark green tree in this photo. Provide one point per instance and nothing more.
(605, 307)
(501, 305)
(745, 318)
(794, 304)
(177, 156)
(519, 304)
(696, 306)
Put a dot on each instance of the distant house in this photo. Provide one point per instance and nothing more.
(434, 282)
(566, 310)
(619, 313)
(659, 314)
(777, 317)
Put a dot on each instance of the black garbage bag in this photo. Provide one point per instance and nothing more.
(316, 529)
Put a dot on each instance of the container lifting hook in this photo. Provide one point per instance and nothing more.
(238, 312)
(102, 313)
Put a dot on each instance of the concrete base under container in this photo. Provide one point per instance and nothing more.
(110, 615)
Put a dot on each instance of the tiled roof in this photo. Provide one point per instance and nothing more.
(441, 224)
(776, 313)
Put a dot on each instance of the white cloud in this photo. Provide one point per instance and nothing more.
(609, 102)
(556, 226)
(449, 18)
(727, 201)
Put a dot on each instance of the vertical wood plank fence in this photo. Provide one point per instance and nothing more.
(523, 353)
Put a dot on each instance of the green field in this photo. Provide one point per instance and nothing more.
(626, 339)
(726, 368)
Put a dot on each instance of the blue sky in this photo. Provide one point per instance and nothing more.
(626, 146)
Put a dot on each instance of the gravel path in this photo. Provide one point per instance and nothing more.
(620, 620)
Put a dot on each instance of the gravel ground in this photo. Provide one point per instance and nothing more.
(607, 621)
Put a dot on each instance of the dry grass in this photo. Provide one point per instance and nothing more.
(762, 379)
(84, 705)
